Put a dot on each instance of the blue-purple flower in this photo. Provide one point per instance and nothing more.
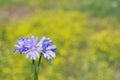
(29, 46)
(46, 48)
(21, 46)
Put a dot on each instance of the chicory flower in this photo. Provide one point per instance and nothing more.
(28, 46)
(46, 48)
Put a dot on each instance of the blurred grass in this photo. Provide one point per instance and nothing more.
(101, 8)
(86, 33)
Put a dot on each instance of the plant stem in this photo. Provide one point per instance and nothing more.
(34, 70)
(39, 61)
(36, 67)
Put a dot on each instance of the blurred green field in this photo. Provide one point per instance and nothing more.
(101, 8)
(86, 33)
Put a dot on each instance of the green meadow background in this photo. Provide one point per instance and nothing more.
(86, 33)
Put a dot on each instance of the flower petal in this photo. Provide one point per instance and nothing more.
(41, 41)
(51, 53)
(53, 48)
(48, 56)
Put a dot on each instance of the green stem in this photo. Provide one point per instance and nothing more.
(36, 74)
(34, 70)
(39, 61)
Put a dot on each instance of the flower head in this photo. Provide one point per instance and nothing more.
(21, 46)
(46, 48)
(29, 46)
